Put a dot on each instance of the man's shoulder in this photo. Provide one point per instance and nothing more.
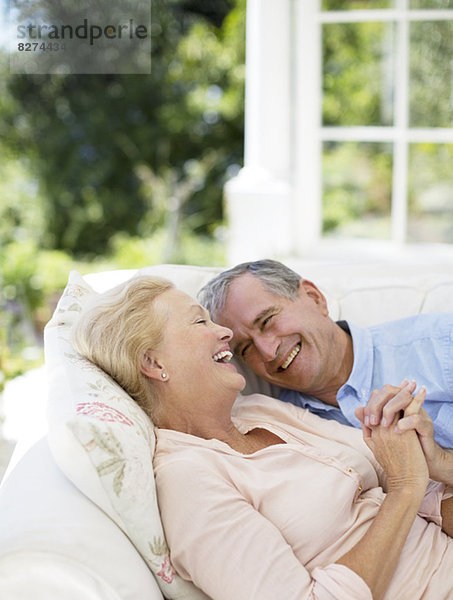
(423, 325)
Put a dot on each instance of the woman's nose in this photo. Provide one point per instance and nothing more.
(224, 332)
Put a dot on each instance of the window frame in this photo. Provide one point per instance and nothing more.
(308, 19)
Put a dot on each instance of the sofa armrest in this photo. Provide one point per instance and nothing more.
(27, 574)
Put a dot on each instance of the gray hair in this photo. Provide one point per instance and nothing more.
(275, 277)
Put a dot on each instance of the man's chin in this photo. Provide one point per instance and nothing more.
(285, 380)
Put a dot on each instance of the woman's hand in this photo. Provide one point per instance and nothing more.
(401, 456)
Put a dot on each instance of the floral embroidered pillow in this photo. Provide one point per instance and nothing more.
(104, 442)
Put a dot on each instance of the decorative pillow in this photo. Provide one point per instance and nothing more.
(103, 441)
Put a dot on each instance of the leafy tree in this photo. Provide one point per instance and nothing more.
(108, 150)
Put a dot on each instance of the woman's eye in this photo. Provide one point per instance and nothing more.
(201, 321)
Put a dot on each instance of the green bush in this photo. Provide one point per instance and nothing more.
(31, 281)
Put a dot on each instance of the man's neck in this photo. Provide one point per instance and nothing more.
(345, 363)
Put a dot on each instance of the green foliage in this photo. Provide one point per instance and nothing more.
(31, 281)
(357, 77)
(357, 187)
(137, 252)
(117, 171)
(21, 207)
(430, 74)
(355, 4)
(88, 137)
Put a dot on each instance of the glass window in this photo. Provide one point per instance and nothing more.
(387, 120)
(431, 74)
(358, 73)
(356, 4)
(357, 184)
(430, 217)
(428, 4)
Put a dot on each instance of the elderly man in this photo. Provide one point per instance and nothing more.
(283, 331)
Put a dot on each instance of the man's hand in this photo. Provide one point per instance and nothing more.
(387, 402)
(439, 460)
(391, 401)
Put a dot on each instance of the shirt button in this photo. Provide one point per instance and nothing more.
(359, 489)
(349, 470)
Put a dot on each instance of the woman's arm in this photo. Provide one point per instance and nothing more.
(439, 460)
(375, 556)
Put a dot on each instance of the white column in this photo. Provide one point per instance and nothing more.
(258, 200)
(307, 194)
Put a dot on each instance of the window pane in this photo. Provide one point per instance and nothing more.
(357, 189)
(431, 74)
(431, 4)
(430, 216)
(356, 4)
(358, 74)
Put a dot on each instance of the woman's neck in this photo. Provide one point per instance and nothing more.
(215, 424)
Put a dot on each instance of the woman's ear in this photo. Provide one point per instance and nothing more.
(151, 367)
(308, 288)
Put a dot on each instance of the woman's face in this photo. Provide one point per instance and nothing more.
(194, 351)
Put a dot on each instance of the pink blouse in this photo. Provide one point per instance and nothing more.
(270, 525)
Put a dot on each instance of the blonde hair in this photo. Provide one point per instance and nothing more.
(116, 332)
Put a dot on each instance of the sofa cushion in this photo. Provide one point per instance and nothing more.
(104, 442)
(56, 544)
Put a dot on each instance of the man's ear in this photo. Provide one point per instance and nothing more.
(308, 288)
(151, 367)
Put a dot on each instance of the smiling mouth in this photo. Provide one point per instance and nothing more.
(290, 358)
(223, 357)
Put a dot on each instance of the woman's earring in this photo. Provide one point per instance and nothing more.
(164, 375)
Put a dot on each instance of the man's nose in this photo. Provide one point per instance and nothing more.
(267, 345)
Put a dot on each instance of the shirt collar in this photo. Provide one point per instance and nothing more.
(362, 369)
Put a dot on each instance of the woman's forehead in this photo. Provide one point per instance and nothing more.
(178, 302)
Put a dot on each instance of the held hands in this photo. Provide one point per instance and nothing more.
(402, 412)
(399, 452)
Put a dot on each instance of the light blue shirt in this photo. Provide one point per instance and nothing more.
(419, 348)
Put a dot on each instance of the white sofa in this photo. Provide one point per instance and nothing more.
(78, 513)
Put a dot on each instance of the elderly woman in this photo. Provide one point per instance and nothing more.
(261, 499)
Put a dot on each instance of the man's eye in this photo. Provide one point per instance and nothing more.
(201, 321)
(244, 350)
(266, 320)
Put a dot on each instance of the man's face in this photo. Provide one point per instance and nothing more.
(291, 343)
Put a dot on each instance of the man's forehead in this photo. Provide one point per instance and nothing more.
(246, 303)
(244, 285)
